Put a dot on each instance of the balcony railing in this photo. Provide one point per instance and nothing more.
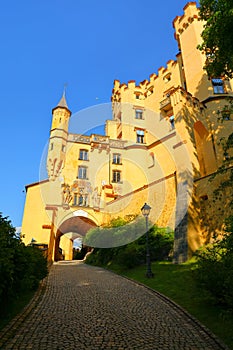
(117, 143)
(99, 138)
(166, 102)
(96, 139)
(79, 138)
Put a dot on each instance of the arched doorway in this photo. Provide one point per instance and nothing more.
(78, 225)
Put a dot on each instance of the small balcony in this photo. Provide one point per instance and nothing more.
(166, 104)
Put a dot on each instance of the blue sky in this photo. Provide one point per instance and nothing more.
(84, 44)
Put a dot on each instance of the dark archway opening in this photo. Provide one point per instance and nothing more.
(78, 225)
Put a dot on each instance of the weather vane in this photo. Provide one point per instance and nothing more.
(64, 89)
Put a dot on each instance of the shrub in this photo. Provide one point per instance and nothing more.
(21, 268)
(134, 253)
(80, 255)
(118, 233)
(215, 267)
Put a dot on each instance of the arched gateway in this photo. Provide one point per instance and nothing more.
(76, 226)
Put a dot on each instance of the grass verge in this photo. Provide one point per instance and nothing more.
(177, 283)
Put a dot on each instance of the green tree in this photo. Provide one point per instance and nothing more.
(21, 267)
(133, 254)
(8, 246)
(215, 267)
(119, 232)
(217, 37)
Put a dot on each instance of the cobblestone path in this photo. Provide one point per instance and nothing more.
(83, 307)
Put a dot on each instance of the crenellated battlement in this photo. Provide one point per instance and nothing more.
(180, 23)
(146, 87)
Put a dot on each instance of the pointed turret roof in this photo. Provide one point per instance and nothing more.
(62, 103)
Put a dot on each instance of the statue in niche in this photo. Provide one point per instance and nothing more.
(88, 187)
(74, 186)
(66, 194)
(96, 198)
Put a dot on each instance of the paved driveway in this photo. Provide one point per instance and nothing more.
(83, 307)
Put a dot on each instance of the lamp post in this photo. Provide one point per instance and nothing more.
(145, 212)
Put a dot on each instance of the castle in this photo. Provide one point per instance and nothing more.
(162, 146)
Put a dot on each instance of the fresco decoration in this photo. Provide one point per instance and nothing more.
(80, 193)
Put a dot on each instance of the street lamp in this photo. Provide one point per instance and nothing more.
(146, 212)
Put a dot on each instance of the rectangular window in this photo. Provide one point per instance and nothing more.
(138, 114)
(51, 146)
(116, 176)
(75, 199)
(82, 172)
(116, 158)
(140, 136)
(63, 148)
(80, 200)
(83, 200)
(218, 86)
(83, 154)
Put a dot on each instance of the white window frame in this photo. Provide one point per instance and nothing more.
(83, 154)
(116, 176)
(116, 158)
(82, 172)
(138, 113)
(140, 136)
(218, 86)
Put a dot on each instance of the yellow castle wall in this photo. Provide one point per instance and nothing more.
(150, 171)
(34, 216)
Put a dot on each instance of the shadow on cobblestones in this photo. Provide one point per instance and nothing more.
(86, 307)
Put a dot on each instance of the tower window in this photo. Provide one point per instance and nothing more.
(116, 176)
(51, 146)
(218, 86)
(172, 121)
(63, 148)
(116, 158)
(139, 114)
(140, 136)
(83, 154)
(82, 172)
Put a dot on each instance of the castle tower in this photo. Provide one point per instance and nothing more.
(58, 139)
(188, 29)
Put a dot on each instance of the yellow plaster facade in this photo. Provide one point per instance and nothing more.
(161, 146)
